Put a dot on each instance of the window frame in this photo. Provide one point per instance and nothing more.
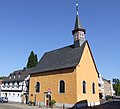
(39, 87)
(93, 88)
(84, 87)
(59, 88)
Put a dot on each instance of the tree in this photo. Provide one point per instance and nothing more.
(36, 59)
(32, 60)
(115, 81)
(116, 86)
(2, 77)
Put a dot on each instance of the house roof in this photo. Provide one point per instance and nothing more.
(63, 58)
(18, 75)
(108, 81)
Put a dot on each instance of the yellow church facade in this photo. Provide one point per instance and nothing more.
(73, 78)
(67, 75)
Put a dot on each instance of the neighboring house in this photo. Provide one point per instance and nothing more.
(67, 75)
(105, 88)
(101, 87)
(16, 86)
(108, 88)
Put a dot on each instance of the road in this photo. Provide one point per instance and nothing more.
(20, 106)
(8, 106)
(16, 106)
(115, 104)
(108, 105)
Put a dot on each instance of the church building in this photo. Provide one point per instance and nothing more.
(67, 75)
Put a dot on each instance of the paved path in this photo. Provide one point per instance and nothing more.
(115, 104)
(108, 105)
(20, 106)
(6, 106)
(16, 106)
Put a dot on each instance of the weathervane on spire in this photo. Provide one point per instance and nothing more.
(77, 7)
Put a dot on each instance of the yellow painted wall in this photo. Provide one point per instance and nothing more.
(51, 81)
(86, 72)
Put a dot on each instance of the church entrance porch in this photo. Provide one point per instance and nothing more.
(47, 98)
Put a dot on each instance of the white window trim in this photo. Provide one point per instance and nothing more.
(39, 88)
(59, 86)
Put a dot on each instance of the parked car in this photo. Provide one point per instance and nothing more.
(0, 99)
(4, 99)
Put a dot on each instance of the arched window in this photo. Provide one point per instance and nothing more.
(93, 88)
(37, 87)
(84, 86)
(62, 87)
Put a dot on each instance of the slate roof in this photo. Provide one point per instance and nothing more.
(23, 74)
(77, 23)
(66, 57)
(106, 80)
(78, 26)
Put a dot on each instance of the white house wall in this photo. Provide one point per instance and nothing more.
(13, 96)
(14, 92)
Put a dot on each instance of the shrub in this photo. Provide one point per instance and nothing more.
(52, 102)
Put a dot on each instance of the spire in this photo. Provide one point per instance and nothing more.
(77, 22)
(78, 32)
(78, 25)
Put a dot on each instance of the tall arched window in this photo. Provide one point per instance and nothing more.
(93, 88)
(62, 87)
(37, 87)
(84, 86)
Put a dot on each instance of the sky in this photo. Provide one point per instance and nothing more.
(45, 25)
